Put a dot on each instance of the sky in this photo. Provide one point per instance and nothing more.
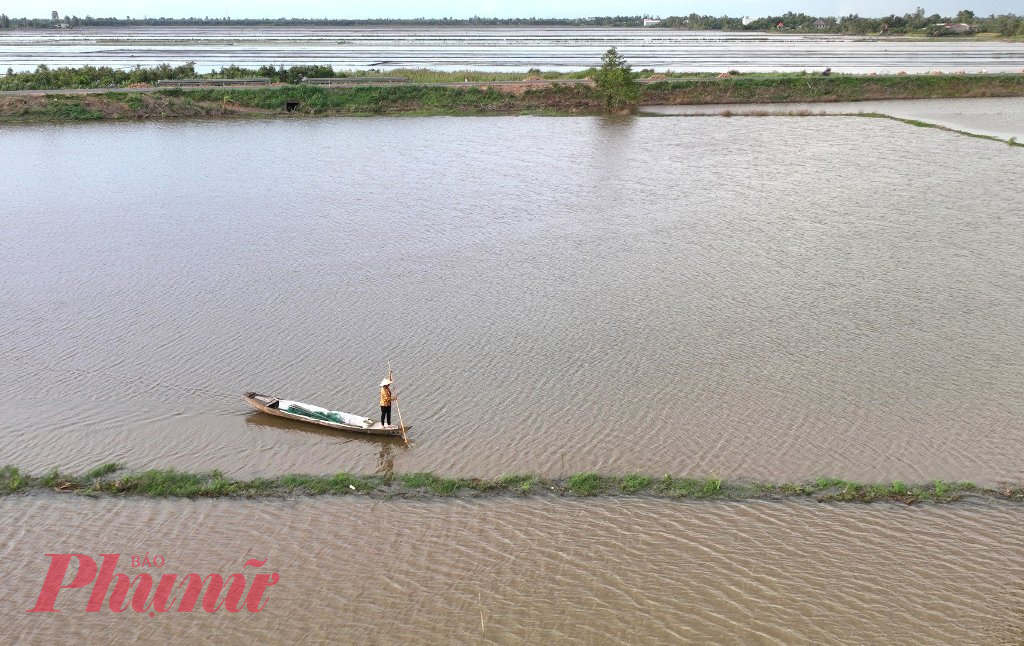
(487, 8)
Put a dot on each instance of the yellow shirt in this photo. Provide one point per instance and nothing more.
(385, 396)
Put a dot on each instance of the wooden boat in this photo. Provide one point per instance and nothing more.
(316, 415)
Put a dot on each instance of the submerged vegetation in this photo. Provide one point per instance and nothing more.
(1012, 141)
(110, 480)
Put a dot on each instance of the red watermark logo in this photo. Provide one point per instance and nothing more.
(161, 600)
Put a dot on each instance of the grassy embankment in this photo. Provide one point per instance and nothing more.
(796, 88)
(536, 98)
(1012, 141)
(105, 480)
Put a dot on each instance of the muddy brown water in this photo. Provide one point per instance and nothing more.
(771, 298)
(1001, 117)
(537, 571)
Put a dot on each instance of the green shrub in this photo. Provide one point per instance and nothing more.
(586, 484)
(634, 483)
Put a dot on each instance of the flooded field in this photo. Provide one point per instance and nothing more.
(503, 49)
(538, 571)
(773, 298)
(1001, 117)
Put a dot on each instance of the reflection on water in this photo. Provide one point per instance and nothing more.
(543, 571)
(502, 49)
(386, 459)
(282, 423)
(388, 446)
(693, 296)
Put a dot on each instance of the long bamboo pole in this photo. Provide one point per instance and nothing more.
(398, 407)
(401, 424)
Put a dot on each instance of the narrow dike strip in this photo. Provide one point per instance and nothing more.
(753, 111)
(553, 96)
(111, 479)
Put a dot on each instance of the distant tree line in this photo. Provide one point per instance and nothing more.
(45, 77)
(1006, 25)
(128, 21)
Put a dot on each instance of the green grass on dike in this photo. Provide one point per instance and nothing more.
(415, 97)
(112, 479)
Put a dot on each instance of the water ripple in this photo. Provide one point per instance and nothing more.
(697, 295)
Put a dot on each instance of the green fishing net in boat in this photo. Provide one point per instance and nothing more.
(326, 417)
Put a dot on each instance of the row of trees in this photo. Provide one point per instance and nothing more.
(616, 81)
(45, 77)
(1005, 24)
(128, 21)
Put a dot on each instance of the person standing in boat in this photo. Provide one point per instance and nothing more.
(385, 402)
